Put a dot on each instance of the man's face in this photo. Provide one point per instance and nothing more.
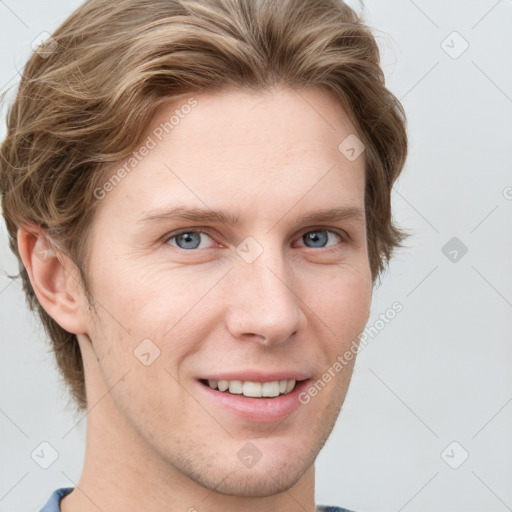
(273, 297)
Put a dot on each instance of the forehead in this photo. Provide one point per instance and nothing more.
(260, 148)
(240, 123)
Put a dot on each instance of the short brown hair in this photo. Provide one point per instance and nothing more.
(86, 102)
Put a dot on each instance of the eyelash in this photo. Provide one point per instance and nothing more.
(344, 237)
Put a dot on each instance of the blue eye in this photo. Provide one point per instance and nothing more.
(318, 238)
(190, 239)
(193, 239)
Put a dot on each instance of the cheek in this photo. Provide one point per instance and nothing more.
(342, 300)
(142, 294)
(156, 303)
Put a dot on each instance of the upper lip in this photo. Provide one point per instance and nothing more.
(258, 375)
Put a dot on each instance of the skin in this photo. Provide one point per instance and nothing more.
(154, 442)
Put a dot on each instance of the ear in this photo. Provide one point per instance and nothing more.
(55, 279)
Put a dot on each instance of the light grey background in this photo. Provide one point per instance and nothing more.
(440, 371)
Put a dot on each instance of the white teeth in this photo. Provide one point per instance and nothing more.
(254, 389)
(236, 387)
(270, 389)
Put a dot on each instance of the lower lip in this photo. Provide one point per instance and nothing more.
(258, 410)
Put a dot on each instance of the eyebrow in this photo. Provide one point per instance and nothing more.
(191, 214)
(200, 215)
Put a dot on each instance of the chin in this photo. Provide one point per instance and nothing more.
(261, 480)
(282, 464)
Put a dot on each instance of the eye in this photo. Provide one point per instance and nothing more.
(319, 238)
(188, 240)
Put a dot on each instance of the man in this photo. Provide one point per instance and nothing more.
(199, 196)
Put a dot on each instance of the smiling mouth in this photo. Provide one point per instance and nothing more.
(252, 389)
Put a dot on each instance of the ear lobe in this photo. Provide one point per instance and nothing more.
(54, 278)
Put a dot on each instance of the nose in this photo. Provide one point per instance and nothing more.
(265, 305)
